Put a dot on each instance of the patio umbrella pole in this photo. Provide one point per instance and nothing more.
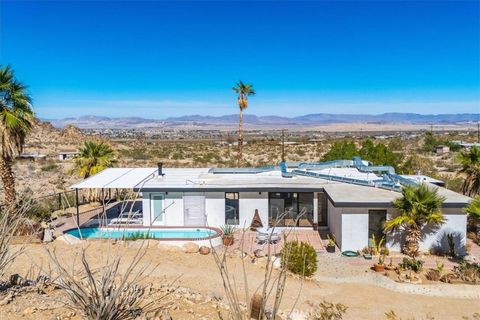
(78, 210)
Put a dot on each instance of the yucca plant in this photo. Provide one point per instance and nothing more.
(107, 293)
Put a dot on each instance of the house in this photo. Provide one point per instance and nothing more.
(349, 198)
(441, 149)
(67, 155)
(34, 156)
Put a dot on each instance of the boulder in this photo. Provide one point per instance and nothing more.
(190, 247)
(259, 253)
(69, 239)
(204, 250)
(168, 247)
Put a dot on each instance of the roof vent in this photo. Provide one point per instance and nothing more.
(160, 168)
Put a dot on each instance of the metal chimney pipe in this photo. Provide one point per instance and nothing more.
(160, 168)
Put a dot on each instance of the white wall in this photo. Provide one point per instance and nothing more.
(249, 201)
(354, 228)
(215, 208)
(173, 205)
(456, 224)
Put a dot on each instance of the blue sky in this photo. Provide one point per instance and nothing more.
(159, 59)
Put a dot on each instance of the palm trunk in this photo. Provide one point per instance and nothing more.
(240, 138)
(8, 179)
(412, 241)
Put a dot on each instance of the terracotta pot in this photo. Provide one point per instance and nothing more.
(331, 249)
(379, 267)
(227, 240)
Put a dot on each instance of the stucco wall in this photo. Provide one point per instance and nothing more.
(249, 201)
(354, 228)
(335, 222)
(456, 224)
(173, 205)
(215, 208)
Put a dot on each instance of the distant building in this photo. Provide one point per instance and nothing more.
(67, 155)
(34, 156)
(441, 149)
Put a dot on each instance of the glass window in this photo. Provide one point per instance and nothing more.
(285, 207)
(376, 220)
(157, 205)
(232, 207)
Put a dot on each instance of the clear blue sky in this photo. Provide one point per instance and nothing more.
(159, 59)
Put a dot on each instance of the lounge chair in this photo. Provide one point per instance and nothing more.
(128, 218)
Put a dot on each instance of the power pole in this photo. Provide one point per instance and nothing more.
(478, 132)
(283, 145)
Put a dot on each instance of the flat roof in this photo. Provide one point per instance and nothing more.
(200, 179)
(113, 178)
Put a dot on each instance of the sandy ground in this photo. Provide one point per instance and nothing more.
(365, 299)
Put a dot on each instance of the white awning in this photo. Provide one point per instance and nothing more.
(113, 178)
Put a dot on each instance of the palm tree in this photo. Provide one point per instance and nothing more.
(93, 158)
(473, 208)
(16, 120)
(418, 206)
(243, 91)
(470, 161)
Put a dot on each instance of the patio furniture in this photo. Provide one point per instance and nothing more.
(128, 218)
(267, 235)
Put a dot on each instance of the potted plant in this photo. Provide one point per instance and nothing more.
(380, 266)
(331, 243)
(227, 234)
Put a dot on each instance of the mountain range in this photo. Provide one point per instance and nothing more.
(99, 122)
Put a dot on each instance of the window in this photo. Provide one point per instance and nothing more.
(232, 207)
(376, 220)
(157, 207)
(285, 207)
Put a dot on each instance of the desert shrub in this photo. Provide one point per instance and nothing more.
(327, 311)
(137, 235)
(299, 258)
(468, 272)
(10, 222)
(107, 292)
(412, 264)
(50, 165)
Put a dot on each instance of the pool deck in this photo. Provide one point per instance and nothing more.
(250, 244)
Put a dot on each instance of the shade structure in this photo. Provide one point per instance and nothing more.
(117, 178)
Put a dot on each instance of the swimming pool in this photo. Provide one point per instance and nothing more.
(139, 233)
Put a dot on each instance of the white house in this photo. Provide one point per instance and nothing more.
(349, 198)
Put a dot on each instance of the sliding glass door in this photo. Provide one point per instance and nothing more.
(288, 209)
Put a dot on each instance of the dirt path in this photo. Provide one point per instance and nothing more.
(364, 301)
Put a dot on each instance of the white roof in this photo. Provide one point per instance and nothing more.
(112, 178)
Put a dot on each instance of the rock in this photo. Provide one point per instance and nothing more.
(297, 315)
(16, 280)
(259, 253)
(276, 262)
(204, 250)
(190, 247)
(9, 298)
(69, 239)
(29, 310)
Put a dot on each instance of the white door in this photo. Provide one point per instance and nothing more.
(194, 210)
(157, 201)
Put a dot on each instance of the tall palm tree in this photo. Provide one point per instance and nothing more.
(243, 91)
(470, 161)
(418, 206)
(93, 158)
(16, 120)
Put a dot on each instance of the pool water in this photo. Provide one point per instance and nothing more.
(110, 233)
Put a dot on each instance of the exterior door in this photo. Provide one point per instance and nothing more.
(194, 210)
(157, 208)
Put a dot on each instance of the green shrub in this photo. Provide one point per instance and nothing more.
(411, 264)
(50, 165)
(299, 258)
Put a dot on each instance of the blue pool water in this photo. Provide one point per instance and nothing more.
(110, 233)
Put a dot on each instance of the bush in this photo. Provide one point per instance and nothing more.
(412, 264)
(300, 258)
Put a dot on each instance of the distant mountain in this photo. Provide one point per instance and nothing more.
(90, 122)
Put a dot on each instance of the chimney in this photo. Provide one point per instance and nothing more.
(160, 168)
